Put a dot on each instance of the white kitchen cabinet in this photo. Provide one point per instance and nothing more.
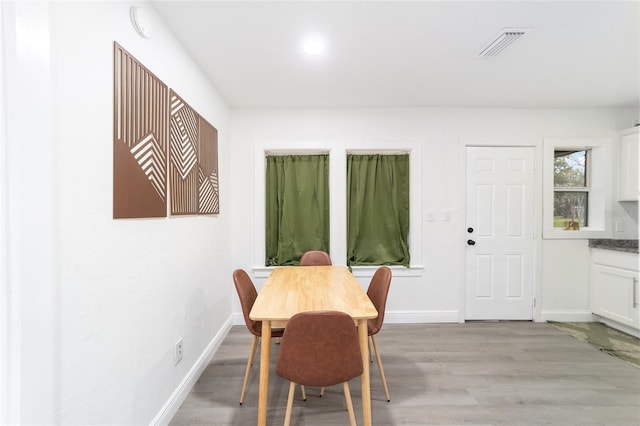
(614, 289)
(628, 158)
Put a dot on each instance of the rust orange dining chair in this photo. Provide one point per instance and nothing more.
(320, 348)
(247, 294)
(315, 258)
(377, 292)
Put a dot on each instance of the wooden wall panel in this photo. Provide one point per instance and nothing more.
(140, 136)
(209, 202)
(193, 170)
(183, 169)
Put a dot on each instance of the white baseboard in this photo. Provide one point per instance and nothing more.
(237, 319)
(417, 317)
(567, 316)
(170, 408)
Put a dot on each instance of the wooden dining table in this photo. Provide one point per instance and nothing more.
(293, 289)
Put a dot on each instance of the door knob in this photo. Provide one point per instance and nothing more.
(471, 242)
(469, 230)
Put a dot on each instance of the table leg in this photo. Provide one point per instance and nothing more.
(363, 336)
(265, 353)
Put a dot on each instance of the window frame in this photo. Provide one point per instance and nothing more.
(347, 183)
(298, 160)
(414, 149)
(586, 189)
(337, 151)
(599, 184)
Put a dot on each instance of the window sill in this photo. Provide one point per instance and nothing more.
(358, 271)
(396, 271)
(582, 234)
(262, 271)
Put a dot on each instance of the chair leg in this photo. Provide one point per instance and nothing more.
(347, 398)
(304, 394)
(384, 380)
(321, 392)
(287, 416)
(254, 347)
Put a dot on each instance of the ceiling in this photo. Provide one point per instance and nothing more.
(581, 54)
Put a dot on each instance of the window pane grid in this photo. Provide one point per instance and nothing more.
(571, 188)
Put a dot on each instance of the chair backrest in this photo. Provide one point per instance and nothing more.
(320, 348)
(377, 292)
(247, 293)
(315, 258)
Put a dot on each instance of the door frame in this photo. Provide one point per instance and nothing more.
(502, 142)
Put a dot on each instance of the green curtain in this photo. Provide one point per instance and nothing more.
(297, 207)
(377, 209)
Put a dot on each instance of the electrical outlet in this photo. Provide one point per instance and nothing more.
(177, 355)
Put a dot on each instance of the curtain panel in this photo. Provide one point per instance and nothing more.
(377, 209)
(297, 207)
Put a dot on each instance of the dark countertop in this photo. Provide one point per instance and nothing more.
(629, 246)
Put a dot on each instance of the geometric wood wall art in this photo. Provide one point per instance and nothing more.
(162, 148)
(193, 161)
(140, 138)
(209, 192)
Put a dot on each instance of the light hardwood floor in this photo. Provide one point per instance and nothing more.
(485, 373)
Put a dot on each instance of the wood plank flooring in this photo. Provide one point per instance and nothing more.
(484, 373)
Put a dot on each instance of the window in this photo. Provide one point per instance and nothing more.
(335, 161)
(377, 209)
(571, 189)
(577, 186)
(297, 207)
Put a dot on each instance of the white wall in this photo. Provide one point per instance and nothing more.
(436, 295)
(94, 305)
(29, 211)
(99, 303)
(4, 277)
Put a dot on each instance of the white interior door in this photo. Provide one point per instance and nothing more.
(499, 259)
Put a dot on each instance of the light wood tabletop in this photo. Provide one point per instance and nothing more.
(293, 289)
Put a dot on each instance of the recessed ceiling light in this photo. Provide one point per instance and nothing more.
(314, 46)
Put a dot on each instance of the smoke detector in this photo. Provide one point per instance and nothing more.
(141, 21)
(501, 41)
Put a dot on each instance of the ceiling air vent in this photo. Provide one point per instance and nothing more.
(501, 41)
